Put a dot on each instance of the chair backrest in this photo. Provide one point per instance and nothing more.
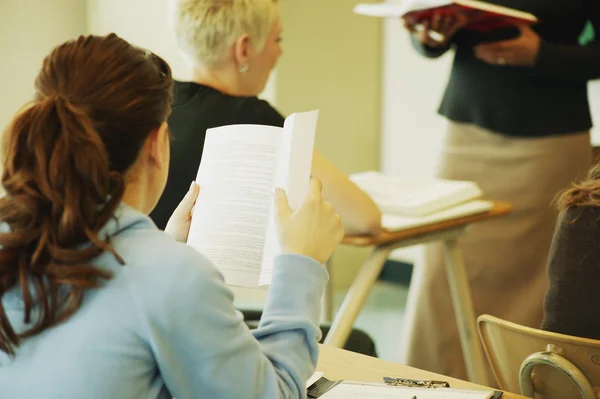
(555, 366)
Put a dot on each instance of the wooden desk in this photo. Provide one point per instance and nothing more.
(384, 244)
(338, 364)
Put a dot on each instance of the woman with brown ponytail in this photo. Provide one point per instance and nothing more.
(95, 301)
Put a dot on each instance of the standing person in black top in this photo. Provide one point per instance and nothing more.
(234, 46)
(519, 123)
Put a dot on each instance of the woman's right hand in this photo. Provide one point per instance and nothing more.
(313, 230)
(444, 25)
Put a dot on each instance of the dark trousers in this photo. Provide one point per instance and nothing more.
(358, 341)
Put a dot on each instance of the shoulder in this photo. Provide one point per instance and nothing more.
(579, 219)
(231, 109)
(253, 110)
(154, 257)
(576, 239)
(164, 276)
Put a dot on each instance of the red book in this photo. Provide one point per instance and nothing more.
(481, 16)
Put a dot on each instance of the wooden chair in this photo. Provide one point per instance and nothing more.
(541, 364)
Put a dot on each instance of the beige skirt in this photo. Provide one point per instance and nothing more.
(505, 258)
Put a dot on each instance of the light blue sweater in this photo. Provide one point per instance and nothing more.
(165, 326)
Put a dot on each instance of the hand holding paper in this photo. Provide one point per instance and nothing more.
(313, 229)
(233, 223)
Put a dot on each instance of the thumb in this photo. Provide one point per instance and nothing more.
(184, 208)
(525, 29)
(281, 204)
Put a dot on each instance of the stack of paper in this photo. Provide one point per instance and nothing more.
(408, 201)
(399, 222)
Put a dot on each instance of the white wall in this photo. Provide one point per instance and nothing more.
(145, 23)
(412, 88)
(594, 94)
(29, 29)
(141, 22)
(411, 129)
(332, 61)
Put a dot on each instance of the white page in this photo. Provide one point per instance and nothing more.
(397, 10)
(230, 219)
(348, 390)
(293, 176)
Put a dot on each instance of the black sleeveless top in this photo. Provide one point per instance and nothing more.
(197, 108)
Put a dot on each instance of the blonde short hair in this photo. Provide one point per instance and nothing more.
(206, 29)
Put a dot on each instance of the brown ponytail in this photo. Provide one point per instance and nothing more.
(64, 161)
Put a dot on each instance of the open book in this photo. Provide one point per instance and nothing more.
(481, 16)
(233, 223)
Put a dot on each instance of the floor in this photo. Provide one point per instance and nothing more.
(382, 317)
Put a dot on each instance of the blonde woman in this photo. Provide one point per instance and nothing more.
(233, 45)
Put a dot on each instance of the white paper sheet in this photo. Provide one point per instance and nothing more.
(350, 390)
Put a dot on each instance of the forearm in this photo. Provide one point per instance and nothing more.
(200, 341)
(573, 63)
(288, 332)
(577, 62)
(360, 215)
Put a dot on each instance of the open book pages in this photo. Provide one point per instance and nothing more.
(414, 196)
(233, 223)
(350, 389)
(402, 8)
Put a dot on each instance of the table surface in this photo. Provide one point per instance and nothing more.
(339, 364)
(500, 208)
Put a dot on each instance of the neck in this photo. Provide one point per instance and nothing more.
(135, 195)
(225, 80)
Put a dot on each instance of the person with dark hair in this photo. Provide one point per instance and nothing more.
(519, 126)
(572, 302)
(95, 301)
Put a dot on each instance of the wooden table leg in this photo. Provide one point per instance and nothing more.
(366, 278)
(356, 297)
(465, 314)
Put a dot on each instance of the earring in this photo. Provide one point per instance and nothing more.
(244, 68)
